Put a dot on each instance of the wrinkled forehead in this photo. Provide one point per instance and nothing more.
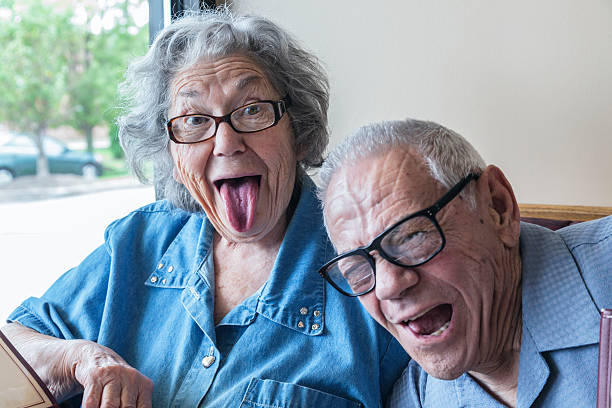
(232, 74)
(364, 198)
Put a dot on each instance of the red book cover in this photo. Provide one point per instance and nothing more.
(20, 387)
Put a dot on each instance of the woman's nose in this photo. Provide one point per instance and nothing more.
(392, 281)
(227, 141)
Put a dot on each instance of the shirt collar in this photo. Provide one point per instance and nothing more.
(557, 308)
(294, 294)
(184, 254)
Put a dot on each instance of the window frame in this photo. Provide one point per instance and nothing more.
(157, 20)
(157, 12)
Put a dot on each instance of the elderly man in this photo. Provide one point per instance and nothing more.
(492, 311)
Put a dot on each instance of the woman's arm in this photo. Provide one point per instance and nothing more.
(68, 367)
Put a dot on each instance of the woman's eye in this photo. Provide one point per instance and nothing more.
(252, 110)
(196, 121)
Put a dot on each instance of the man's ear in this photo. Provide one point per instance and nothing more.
(496, 194)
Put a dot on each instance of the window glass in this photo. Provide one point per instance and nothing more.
(62, 61)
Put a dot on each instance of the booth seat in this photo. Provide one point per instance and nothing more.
(558, 216)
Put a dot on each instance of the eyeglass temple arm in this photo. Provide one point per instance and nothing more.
(453, 192)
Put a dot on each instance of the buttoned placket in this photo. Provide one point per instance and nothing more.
(198, 301)
(171, 272)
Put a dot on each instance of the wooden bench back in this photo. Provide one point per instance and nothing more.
(559, 216)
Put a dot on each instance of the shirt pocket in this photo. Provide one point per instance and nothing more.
(274, 394)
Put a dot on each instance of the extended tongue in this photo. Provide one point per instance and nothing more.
(432, 321)
(240, 199)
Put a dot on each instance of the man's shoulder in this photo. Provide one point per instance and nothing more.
(590, 233)
(591, 246)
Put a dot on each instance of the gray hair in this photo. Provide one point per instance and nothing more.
(209, 35)
(448, 155)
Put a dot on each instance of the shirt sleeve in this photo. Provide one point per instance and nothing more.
(73, 306)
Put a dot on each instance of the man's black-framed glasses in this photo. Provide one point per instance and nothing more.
(411, 241)
(256, 116)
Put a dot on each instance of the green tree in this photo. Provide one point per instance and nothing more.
(33, 69)
(97, 62)
(62, 62)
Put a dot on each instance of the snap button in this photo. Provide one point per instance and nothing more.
(304, 310)
(208, 361)
(153, 279)
(317, 313)
(170, 268)
(301, 324)
(315, 326)
(164, 281)
(160, 265)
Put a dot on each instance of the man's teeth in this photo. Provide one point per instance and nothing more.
(441, 329)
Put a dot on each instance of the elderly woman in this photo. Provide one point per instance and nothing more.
(211, 297)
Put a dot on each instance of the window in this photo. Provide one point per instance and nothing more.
(62, 62)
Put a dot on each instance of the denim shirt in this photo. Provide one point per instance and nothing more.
(148, 294)
(567, 278)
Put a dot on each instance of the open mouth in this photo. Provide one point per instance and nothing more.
(239, 196)
(432, 323)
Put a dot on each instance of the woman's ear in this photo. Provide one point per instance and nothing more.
(497, 195)
(177, 175)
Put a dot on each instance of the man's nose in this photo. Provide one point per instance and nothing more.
(392, 281)
(227, 141)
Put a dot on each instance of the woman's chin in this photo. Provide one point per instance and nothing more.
(233, 235)
(238, 234)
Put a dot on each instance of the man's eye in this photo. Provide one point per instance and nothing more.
(416, 237)
(411, 239)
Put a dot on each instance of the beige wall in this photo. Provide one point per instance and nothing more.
(528, 83)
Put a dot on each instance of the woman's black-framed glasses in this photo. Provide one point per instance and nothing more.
(411, 241)
(256, 116)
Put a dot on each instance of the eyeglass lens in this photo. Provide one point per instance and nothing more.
(253, 117)
(412, 242)
(352, 274)
(409, 243)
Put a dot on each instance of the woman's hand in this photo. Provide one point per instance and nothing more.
(108, 381)
(68, 367)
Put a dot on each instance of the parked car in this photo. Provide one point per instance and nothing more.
(18, 154)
